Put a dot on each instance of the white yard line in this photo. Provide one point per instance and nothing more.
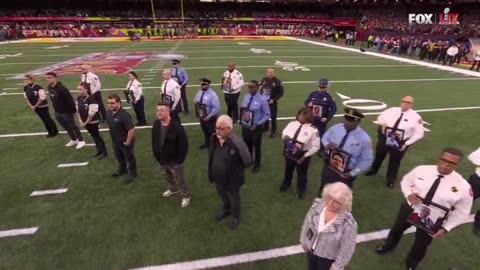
(149, 75)
(90, 145)
(67, 165)
(280, 118)
(127, 108)
(264, 254)
(48, 192)
(17, 232)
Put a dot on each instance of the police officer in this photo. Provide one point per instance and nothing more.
(122, 132)
(93, 82)
(352, 144)
(87, 108)
(232, 83)
(399, 128)
(474, 181)
(180, 76)
(170, 93)
(271, 89)
(37, 100)
(254, 113)
(301, 130)
(134, 96)
(207, 107)
(323, 106)
(425, 185)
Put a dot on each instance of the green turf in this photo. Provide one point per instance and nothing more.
(101, 223)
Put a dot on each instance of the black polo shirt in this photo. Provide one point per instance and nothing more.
(119, 123)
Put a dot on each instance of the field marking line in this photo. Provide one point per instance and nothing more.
(149, 75)
(302, 82)
(12, 88)
(48, 192)
(17, 232)
(265, 254)
(145, 83)
(147, 79)
(279, 118)
(67, 165)
(127, 108)
(90, 145)
(391, 57)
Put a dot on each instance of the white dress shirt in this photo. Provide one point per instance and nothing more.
(453, 191)
(475, 159)
(93, 80)
(172, 89)
(136, 89)
(233, 82)
(411, 123)
(308, 136)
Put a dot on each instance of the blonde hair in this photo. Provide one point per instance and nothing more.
(339, 192)
(225, 119)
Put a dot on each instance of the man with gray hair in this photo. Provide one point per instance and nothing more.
(227, 160)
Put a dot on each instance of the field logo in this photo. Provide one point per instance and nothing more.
(444, 18)
(259, 50)
(169, 56)
(367, 105)
(291, 66)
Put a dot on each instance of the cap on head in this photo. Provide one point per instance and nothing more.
(175, 61)
(323, 82)
(205, 81)
(353, 115)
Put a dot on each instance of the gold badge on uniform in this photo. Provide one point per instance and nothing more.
(454, 189)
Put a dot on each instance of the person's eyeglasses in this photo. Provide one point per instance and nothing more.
(221, 128)
(406, 101)
(448, 161)
(111, 103)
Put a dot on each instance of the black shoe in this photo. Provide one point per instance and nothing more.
(411, 268)
(272, 135)
(51, 135)
(102, 156)
(371, 172)
(140, 124)
(234, 224)
(118, 173)
(382, 250)
(97, 154)
(203, 146)
(283, 188)
(476, 230)
(221, 215)
(130, 178)
(390, 186)
(256, 169)
(301, 196)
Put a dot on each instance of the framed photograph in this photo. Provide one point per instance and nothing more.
(227, 84)
(293, 149)
(247, 117)
(129, 95)
(168, 99)
(394, 140)
(266, 91)
(317, 111)
(338, 160)
(428, 217)
(201, 110)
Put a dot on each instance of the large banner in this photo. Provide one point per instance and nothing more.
(72, 18)
(112, 32)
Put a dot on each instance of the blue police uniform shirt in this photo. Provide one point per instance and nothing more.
(324, 99)
(358, 144)
(179, 75)
(210, 100)
(259, 106)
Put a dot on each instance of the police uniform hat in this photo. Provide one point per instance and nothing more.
(323, 82)
(175, 61)
(353, 115)
(205, 81)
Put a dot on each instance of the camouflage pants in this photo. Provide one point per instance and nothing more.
(176, 179)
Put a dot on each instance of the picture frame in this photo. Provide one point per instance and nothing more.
(247, 117)
(129, 96)
(200, 110)
(339, 160)
(429, 218)
(395, 141)
(227, 84)
(293, 149)
(168, 99)
(317, 111)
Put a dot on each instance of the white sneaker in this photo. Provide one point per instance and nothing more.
(80, 144)
(71, 143)
(185, 202)
(168, 193)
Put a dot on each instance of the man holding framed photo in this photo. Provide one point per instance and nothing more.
(399, 128)
(207, 109)
(436, 187)
(170, 93)
(254, 113)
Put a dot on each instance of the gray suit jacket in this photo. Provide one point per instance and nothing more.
(337, 242)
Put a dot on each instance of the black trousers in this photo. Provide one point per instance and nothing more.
(174, 114)
(230, 199)
(322, 128)
(449, 58)
(208, 128)
(273, 116)
(396, 157)
(457, 59)
(47, 120)
(67, 121)
(330, 176)
(475, 63)
(232, 105)
(101, 106)
(253, 140)
(318, 263)
(422, 239)
(302, 174)
(184, 102)
(126, 158)
(99, 142)
(139, 109)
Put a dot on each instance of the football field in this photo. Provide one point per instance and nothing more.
(102, 223)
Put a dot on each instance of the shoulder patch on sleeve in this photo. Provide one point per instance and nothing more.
(139, 85)
(420, 121)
